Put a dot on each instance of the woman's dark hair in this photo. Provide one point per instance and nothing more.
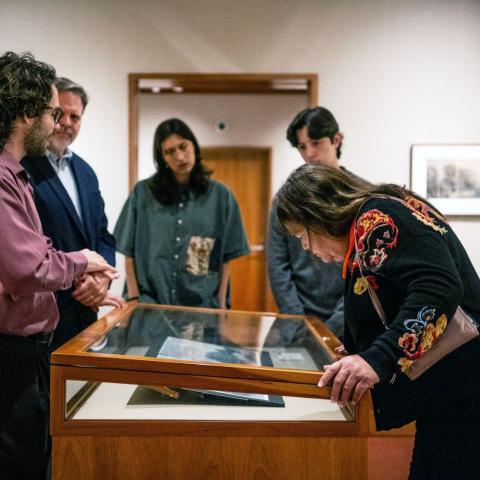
(25, 89)
(320, 123)
(326, 200)
(164, 186)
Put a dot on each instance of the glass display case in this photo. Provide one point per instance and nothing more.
(148, 386)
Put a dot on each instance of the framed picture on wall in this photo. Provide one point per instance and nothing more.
(448, 176)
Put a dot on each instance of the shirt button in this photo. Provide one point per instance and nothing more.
(173, 290)
(174, 274)
(179, 221)
(177, 239)
(175, 256)
(180, 205)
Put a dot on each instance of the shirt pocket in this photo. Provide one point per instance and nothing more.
(200, 254)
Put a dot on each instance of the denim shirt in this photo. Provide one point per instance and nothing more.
(179, 249)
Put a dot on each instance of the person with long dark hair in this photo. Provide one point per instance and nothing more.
(179, 229)
(395, 243)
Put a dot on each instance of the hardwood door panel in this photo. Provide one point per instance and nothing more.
(246, 171)
(242, 271)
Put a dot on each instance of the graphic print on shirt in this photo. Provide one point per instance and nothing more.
(198, 255)
(376, 234)
(421, 333)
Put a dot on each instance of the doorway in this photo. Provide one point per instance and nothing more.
(179, 95)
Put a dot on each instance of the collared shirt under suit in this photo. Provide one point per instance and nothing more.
(73, 224)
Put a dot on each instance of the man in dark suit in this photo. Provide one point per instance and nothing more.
(71, 209)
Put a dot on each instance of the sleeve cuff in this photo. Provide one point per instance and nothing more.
(79, 262)
(237, 254)
(379, 361)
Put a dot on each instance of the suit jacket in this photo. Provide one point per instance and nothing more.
(68, 232)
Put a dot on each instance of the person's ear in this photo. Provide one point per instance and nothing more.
(22, 124)
(337, 139)
(25, 120)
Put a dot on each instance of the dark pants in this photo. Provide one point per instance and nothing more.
(25, 445)
(447, 442)
(448, 447)
(74, 318)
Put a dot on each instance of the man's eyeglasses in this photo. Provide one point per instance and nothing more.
(57, 114)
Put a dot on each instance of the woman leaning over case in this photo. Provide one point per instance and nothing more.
(179, 229)
(421, 273)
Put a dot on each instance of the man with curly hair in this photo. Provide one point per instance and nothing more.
(30, 269)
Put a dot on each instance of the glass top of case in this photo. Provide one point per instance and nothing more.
(210, 337)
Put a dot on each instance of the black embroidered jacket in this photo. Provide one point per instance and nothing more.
(420, 272)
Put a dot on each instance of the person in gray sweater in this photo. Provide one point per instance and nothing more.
(301, 284)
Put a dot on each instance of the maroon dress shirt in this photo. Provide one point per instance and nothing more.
(30, 268)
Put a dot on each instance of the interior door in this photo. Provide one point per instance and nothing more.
(246, 171)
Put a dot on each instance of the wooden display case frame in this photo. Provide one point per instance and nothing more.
(121, 449)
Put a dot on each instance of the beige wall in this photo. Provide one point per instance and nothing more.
(394, 73)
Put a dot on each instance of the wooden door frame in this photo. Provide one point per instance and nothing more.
(208, 84)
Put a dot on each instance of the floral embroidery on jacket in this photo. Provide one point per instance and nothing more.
(376, 233)
(422, 332)
(426, 214)
(361, 286)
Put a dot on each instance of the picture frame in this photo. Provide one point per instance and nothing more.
(448, 176)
